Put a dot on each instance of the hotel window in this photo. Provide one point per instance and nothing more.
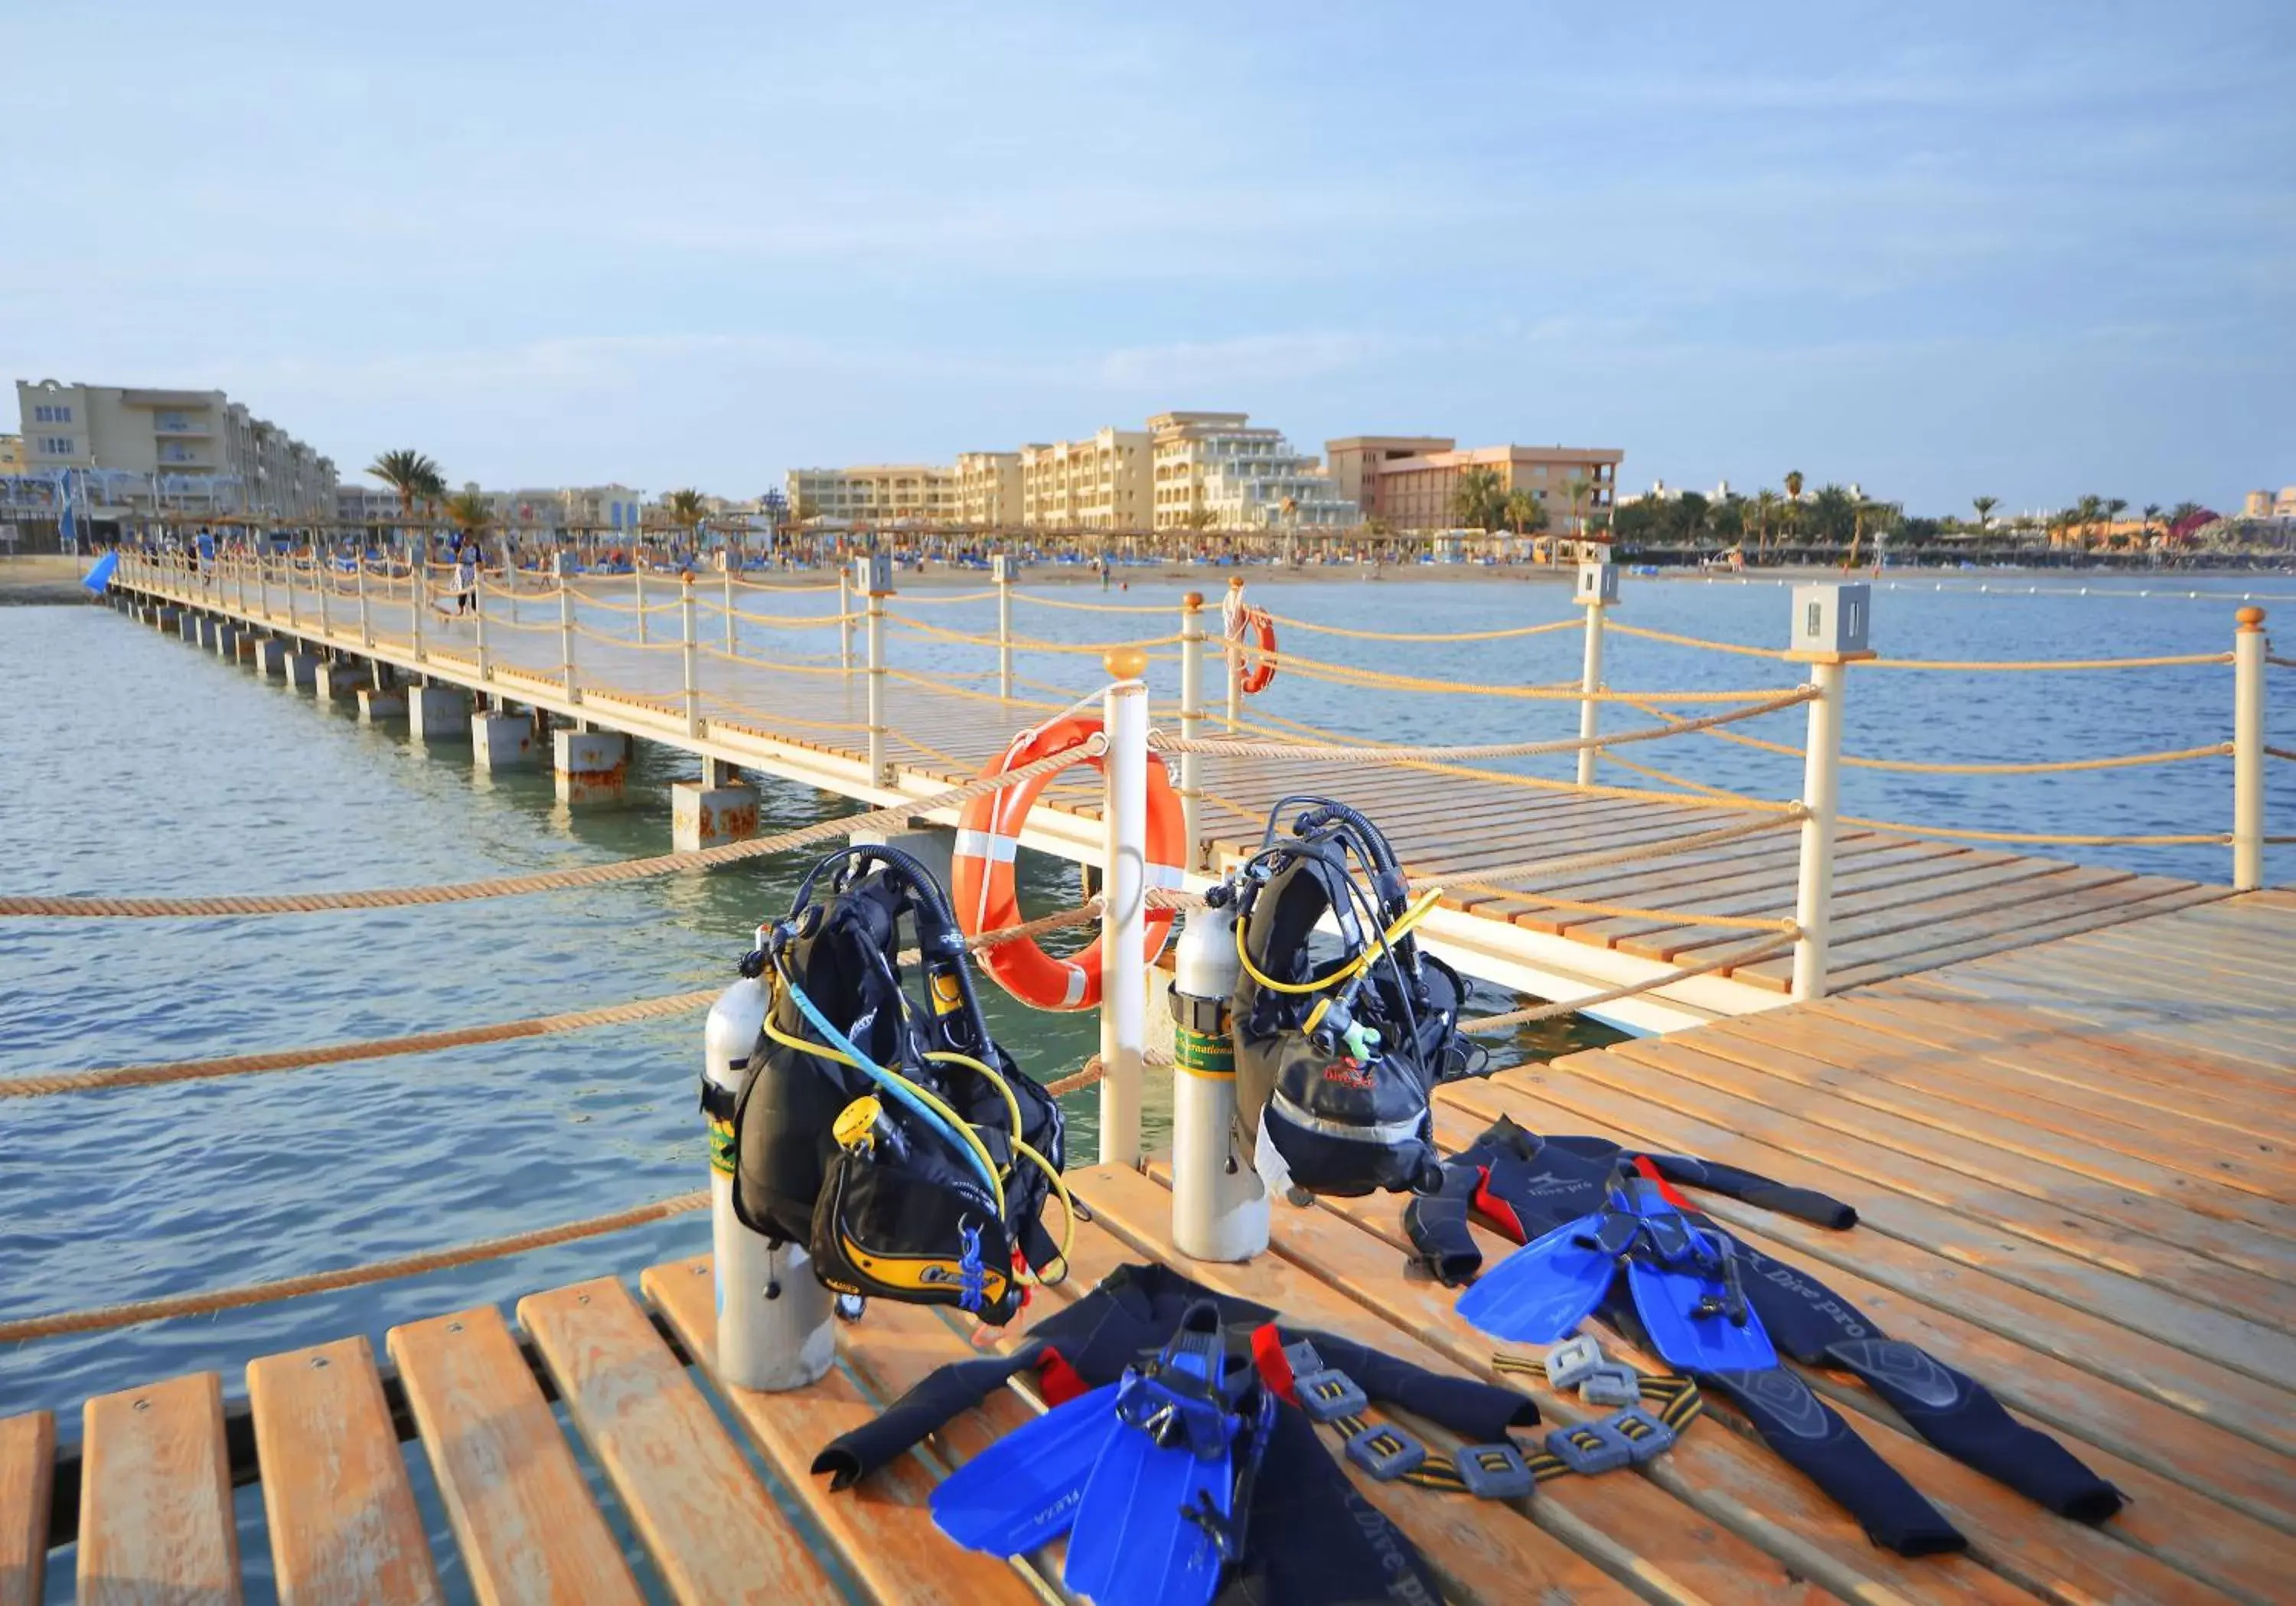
(57, 446)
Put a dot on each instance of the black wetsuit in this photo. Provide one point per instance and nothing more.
(1313, 1538)
(1525, 1185)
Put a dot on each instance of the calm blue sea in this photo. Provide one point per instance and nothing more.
(134, 764)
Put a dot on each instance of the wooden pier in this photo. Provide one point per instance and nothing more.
(2073, 1168)
(1900, 903)
(2057, 1096)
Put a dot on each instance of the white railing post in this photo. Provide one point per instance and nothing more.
(1192, 726)
(731, 646)
(844, 618)
(239, 568)
(1000, 566)
(418, 584)
(1124, 913)
(478, 621)
(366, 620)
(637, 589)
(692, 657)
(294, 616)
(1598, 588)
(2248, 649)
(566, 637)
(1829, 634)
(1232, 641)
(874, 572)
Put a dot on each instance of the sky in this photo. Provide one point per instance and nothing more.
(2030, 250)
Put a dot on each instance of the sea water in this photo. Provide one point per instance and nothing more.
(133, 763)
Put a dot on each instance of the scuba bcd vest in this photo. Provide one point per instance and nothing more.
(861, 1130)
(1335, 1060)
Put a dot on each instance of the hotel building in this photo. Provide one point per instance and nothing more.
(988, 489)
(1216, 471)
(876, 493)
(1408, 480)
(194, 449)
(1100, 483)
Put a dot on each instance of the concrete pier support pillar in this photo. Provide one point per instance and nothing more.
(208, 626)
(226, 642)
(245, 647)
(168, 620)
(376, 705)
(502, 741)
(339, 678)
(592, 767)
(438, 713)
(270, 658)
(932, 846)
(303, 669)
(187, 625)
(718, 808)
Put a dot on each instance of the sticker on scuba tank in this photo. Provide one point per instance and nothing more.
(856, 1121)
(1201, 1054)
(721, 1147)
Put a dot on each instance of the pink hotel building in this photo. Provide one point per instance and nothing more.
(1408, 480)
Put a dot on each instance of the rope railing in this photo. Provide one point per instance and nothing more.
(2037, 838)
(107, 1317)
(1342, 674)
(1387, 754)
(1034, 601)
(896, 816)
(917, 599)
(772, 663)
(1728, 961)
(2277, 662)
(1699, 642)
(762, 585)
(2043, 665)
(789, 621)
(1512, 634)
(1914, 767)
(741, 713)
(2282, 752)
(1023, 643)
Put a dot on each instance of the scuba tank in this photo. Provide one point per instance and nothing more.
(1336, 1061)
(1219, 1210)
(887, 1133)
(773, 1316)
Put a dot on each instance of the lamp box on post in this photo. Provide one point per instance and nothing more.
(1598, 581)
(873, 573)
(1831, 618)
(1000, 570)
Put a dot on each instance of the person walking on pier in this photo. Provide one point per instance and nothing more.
(466, 580)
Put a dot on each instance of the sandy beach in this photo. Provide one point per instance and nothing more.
(32, 580)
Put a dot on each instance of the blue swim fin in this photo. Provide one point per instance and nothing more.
(1687, 1292)
(1148, 1530)
(1021, 1493)
(1540, 1293)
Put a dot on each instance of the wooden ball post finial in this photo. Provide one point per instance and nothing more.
(1126, 662)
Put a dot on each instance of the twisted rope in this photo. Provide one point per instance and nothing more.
(1088, 607)
(1516, 633)
(1522, 1017)
(1341, 674)
(500, 887)
(1696, 641)
(2280, 753)
(105, 1317)
(2033, 665)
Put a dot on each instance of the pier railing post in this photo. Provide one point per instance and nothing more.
(566, 638)
(1124, 911)
(1232, 649)
(1598, 588)
(2248, 650)
(637, 589)
(1000, 566)
(1192, 726)
(479, 623)
(844, 618)
(239, 568)
(417, 584)
(692, 657)
(366, 619)
(294, 616)
(874, 572)
(1829, 633)
(730, 643)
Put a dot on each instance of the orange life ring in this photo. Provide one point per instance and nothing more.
(981, 881)
(1255, 664)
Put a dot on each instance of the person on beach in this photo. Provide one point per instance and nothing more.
(466, 580)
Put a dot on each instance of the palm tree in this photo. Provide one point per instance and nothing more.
(1579, 488)
(1792, 512)
(686, 509)
(1793, 483)
(471, 513)
(1879, 515)
(2114, 508)
(1525, 512)
(2086, 514)
(1477, 501)
(1765, 503)
(1985, 507)
(411, 475)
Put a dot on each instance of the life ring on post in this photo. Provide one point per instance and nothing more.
(1254, 630)
(982, 880)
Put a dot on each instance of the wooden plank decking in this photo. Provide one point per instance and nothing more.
(1901, 906)
(2073, 1169)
